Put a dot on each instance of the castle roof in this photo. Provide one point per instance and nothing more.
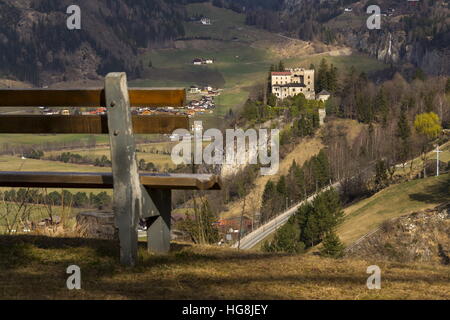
(284, 73)
(324, 93)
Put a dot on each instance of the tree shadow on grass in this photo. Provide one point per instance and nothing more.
(154, 277)
(252, 286)
(17, 250)
(436, 193)
(20, 250)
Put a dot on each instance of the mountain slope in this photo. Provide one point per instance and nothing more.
(36, 45)
(411, 33)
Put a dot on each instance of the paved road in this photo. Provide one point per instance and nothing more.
(256, 236)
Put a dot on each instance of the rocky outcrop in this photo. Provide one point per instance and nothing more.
(393, 47)
(422, 236)
(410, 36)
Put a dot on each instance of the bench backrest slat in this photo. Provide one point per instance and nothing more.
(145, 97)
(89, 124)
(104, 180)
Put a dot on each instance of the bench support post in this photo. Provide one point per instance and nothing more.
(158, 228)
(130, 201)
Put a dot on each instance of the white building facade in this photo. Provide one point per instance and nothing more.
(293, 82)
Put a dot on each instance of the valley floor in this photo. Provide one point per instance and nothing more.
(33, 267)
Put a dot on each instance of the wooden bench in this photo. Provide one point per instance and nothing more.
(135, 196)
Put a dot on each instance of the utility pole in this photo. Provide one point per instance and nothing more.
(437, 160)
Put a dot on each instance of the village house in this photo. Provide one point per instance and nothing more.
(206, 21)
(323, 95)
(201, 61)
(194, 89)
(293, 82)
(230, 227)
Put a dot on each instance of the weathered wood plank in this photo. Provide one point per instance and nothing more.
(158, 228)
(93, 124)
(145, 97)
(104, 180)
(127, 196)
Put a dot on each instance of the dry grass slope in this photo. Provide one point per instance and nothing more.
(34, 267)
(392, 202)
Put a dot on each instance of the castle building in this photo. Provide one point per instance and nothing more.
(293, 82)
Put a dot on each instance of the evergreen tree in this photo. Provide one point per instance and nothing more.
(332, 80)
(321, 169)
(403, 132)
(381, 107)
(332, 246)
(281, 66)
(295, 190)
(300, 181)
(381, 176)
(286, 239)
(319, 217)
(447, 86)
(322, 77)
(281, 186)
(267, 208)
(310, 231)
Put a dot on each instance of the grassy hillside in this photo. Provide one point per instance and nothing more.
(243, 56)
(417, 163)
(10, 163)
(159, 159)
(394, 201)
(35, 267)
(35, 139)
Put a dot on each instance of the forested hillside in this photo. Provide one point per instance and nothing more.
(36, 45)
